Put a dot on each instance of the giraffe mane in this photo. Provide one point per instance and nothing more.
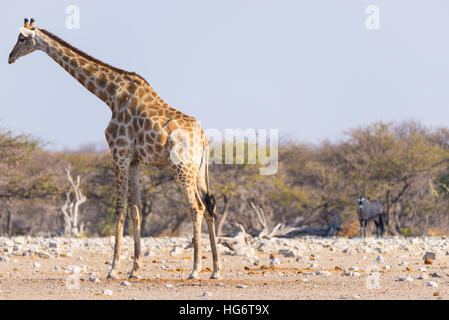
(90, 58)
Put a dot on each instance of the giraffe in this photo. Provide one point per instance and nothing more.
(143, 130)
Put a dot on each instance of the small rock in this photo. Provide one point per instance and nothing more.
(149, 254)
(406, 279)
(52, 244)
(73, 269)
(125, 283)
(289, 253)
(207, 294)
(107, 292)
(4, 259)
(436, 275)
(323, 273)
(423, 276)
(57, 268)
(92, 278)
(27, 253)
(379, 259)
(422, 269)
(348, 273)
(430, 255)
(432, 284)
(36, 265)
(354, 268)
(242, 286)
(168, 285)
(176, 250)
(428, 261)
(386, 268)
(275, 261)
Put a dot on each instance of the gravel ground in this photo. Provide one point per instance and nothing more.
(306, 268)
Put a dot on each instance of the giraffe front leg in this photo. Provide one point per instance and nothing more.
(134, 194)
(122, 186)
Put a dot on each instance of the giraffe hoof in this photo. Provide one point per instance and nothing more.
(215, 275)
(112, 275)
(194, 275)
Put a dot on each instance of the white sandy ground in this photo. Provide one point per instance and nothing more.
(307, 268)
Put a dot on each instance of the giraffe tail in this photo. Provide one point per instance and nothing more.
(208, 199)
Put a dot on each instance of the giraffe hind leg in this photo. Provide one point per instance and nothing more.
(197, 211)
(186, 179)
(213, 244)
(209, 203)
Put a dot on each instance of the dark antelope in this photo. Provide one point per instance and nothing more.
(371, 210)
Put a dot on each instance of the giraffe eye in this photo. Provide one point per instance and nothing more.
(21, 39)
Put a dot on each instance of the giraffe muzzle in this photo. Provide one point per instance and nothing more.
(11, 59)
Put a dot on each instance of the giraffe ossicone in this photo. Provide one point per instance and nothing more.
(143, 129)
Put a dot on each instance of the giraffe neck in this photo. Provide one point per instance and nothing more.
(114, 86)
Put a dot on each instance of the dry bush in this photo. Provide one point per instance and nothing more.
(436, 232)
(350, 229)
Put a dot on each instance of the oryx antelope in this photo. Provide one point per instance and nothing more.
(371, 210)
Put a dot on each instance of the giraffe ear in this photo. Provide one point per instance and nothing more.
(27, 32)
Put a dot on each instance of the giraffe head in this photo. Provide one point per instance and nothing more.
(26, 43)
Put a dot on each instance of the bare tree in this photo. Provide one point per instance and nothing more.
(70, 208)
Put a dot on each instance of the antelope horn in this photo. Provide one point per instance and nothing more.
(25, 23)
(32, 23)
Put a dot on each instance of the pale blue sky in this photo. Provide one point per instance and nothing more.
(309, 68)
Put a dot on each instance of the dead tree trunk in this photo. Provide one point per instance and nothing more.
(9, 215)
(70, 208)
(265, 232)
(9, 222)
(330, 230)
(224, 215)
